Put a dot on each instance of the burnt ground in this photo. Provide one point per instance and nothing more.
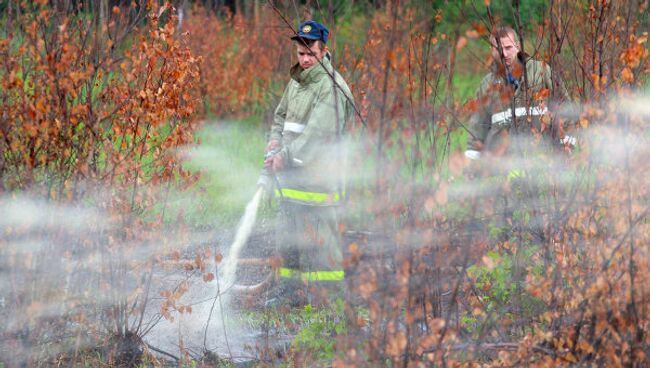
(233, 337)
(438, 270)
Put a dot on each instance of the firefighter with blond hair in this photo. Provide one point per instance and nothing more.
(519, 95)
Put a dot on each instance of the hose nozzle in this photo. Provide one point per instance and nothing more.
(270, 153)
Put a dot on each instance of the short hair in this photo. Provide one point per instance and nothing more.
(506, 31)
(310, 43)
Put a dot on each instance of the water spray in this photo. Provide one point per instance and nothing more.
(243, 232)
(245, 227)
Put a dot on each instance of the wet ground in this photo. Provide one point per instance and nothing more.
(228, 327)
(218, 324)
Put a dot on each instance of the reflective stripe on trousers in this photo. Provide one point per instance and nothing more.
(514, 174)
(312, 275)
(313, 197)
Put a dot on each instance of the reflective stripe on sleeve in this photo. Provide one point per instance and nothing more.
(473, 154)
(504, 117)
(293, 127)
(313, 197)
(311, 276)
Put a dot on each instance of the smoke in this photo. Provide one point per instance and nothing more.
(23, 212)
(65, 270)
(206, 328)
(73, 275)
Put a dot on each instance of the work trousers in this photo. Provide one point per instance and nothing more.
(309, 241)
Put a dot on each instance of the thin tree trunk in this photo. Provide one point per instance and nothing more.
(384, 99)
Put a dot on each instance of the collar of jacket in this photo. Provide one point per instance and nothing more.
(499, 71)
(313, 74)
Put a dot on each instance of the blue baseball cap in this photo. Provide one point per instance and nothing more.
(311, 30)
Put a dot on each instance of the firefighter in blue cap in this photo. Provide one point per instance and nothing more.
(305, 154)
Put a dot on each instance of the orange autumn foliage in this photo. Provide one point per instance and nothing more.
(241, 61)
(85, 111)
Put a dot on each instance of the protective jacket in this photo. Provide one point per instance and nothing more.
(309, 121)
(503, 99)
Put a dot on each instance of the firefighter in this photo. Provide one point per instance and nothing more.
(514, 98)
(304, 164)
(518, 97)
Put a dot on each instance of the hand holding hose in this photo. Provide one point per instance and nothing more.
(272, 160)
(275, 162)
(272, 146)
(272, 163)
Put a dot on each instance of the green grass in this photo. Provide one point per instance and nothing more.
(229, 158)
(313, 329)
(466, 84)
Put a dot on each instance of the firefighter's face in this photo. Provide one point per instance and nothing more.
(308, 59)
(510, 48)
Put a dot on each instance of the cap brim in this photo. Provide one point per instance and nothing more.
(312, 38)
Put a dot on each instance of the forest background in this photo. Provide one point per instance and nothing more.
(129, 127)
